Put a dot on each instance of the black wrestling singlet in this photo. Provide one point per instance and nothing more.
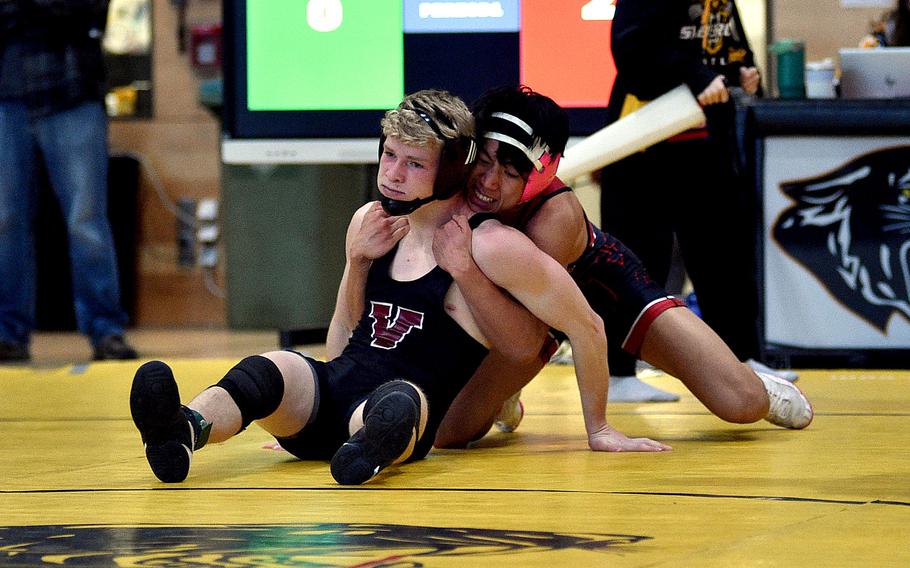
(405, 333)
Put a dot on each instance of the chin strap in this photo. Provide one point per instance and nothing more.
(399, 207)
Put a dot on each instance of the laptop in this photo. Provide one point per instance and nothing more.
(875, 73)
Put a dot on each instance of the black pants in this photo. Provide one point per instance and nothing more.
(689, 189)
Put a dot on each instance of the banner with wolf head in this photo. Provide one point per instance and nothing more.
(837, 242)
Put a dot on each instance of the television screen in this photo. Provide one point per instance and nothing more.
(326, 70)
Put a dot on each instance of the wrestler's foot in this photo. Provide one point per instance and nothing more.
(510, 414)
(628, 388)
(167, 431)
(785, 374)
(789, 406)
(563, 355)
(387, 431)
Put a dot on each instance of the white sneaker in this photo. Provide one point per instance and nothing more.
(510, 414)
(563, 355)
(789, 406)
(785, 374)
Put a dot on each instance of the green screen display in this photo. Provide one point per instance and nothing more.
(324, 54)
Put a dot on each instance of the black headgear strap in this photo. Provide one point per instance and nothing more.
(401, 207)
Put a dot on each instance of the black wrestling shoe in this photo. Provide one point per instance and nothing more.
(386, 433)
(167, 432)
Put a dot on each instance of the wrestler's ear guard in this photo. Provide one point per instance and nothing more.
(541, 179)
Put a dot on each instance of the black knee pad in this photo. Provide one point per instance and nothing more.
(389, 387)
(256, 385)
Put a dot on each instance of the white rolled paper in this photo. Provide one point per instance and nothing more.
(669, 114)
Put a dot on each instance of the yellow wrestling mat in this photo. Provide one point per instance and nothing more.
(75, 489)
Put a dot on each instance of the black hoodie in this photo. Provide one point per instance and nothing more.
(659, 44)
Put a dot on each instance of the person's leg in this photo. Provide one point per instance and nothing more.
(625, 386)
(716, 230)
(633, 208)
(474, 410)
(618, 288)
(384, 429)
(277, 389)
(723, 270)
(74, 144)
(18, 199)
(684, 346)
(632, 211)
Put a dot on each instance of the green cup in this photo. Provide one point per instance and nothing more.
(791, 61)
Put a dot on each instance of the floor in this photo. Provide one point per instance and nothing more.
(75, 488)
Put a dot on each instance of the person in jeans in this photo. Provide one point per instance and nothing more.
(51, 111)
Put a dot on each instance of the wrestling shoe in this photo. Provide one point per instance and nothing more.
(785, 374)
(563, 355)
(789, 406)
(510, 414)
(629, 388)
(170, 432)
(386, 433)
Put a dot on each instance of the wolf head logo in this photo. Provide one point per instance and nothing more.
(851, 229)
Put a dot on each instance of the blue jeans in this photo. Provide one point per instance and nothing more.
(73, 144)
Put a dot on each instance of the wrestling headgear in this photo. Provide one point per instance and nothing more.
(509, 129)
(454, 165)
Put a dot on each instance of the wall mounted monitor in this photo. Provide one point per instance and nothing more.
(319, 74)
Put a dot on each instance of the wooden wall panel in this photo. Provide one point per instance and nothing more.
(824, 25)
(179, 146)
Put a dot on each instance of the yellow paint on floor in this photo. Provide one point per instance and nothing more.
(75, 488)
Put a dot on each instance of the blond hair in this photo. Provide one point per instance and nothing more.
(449, 113)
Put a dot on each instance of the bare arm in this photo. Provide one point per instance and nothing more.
(543, 286)
(371, 234)
(509, 327)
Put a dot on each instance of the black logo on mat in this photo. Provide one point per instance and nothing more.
(309, 544)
